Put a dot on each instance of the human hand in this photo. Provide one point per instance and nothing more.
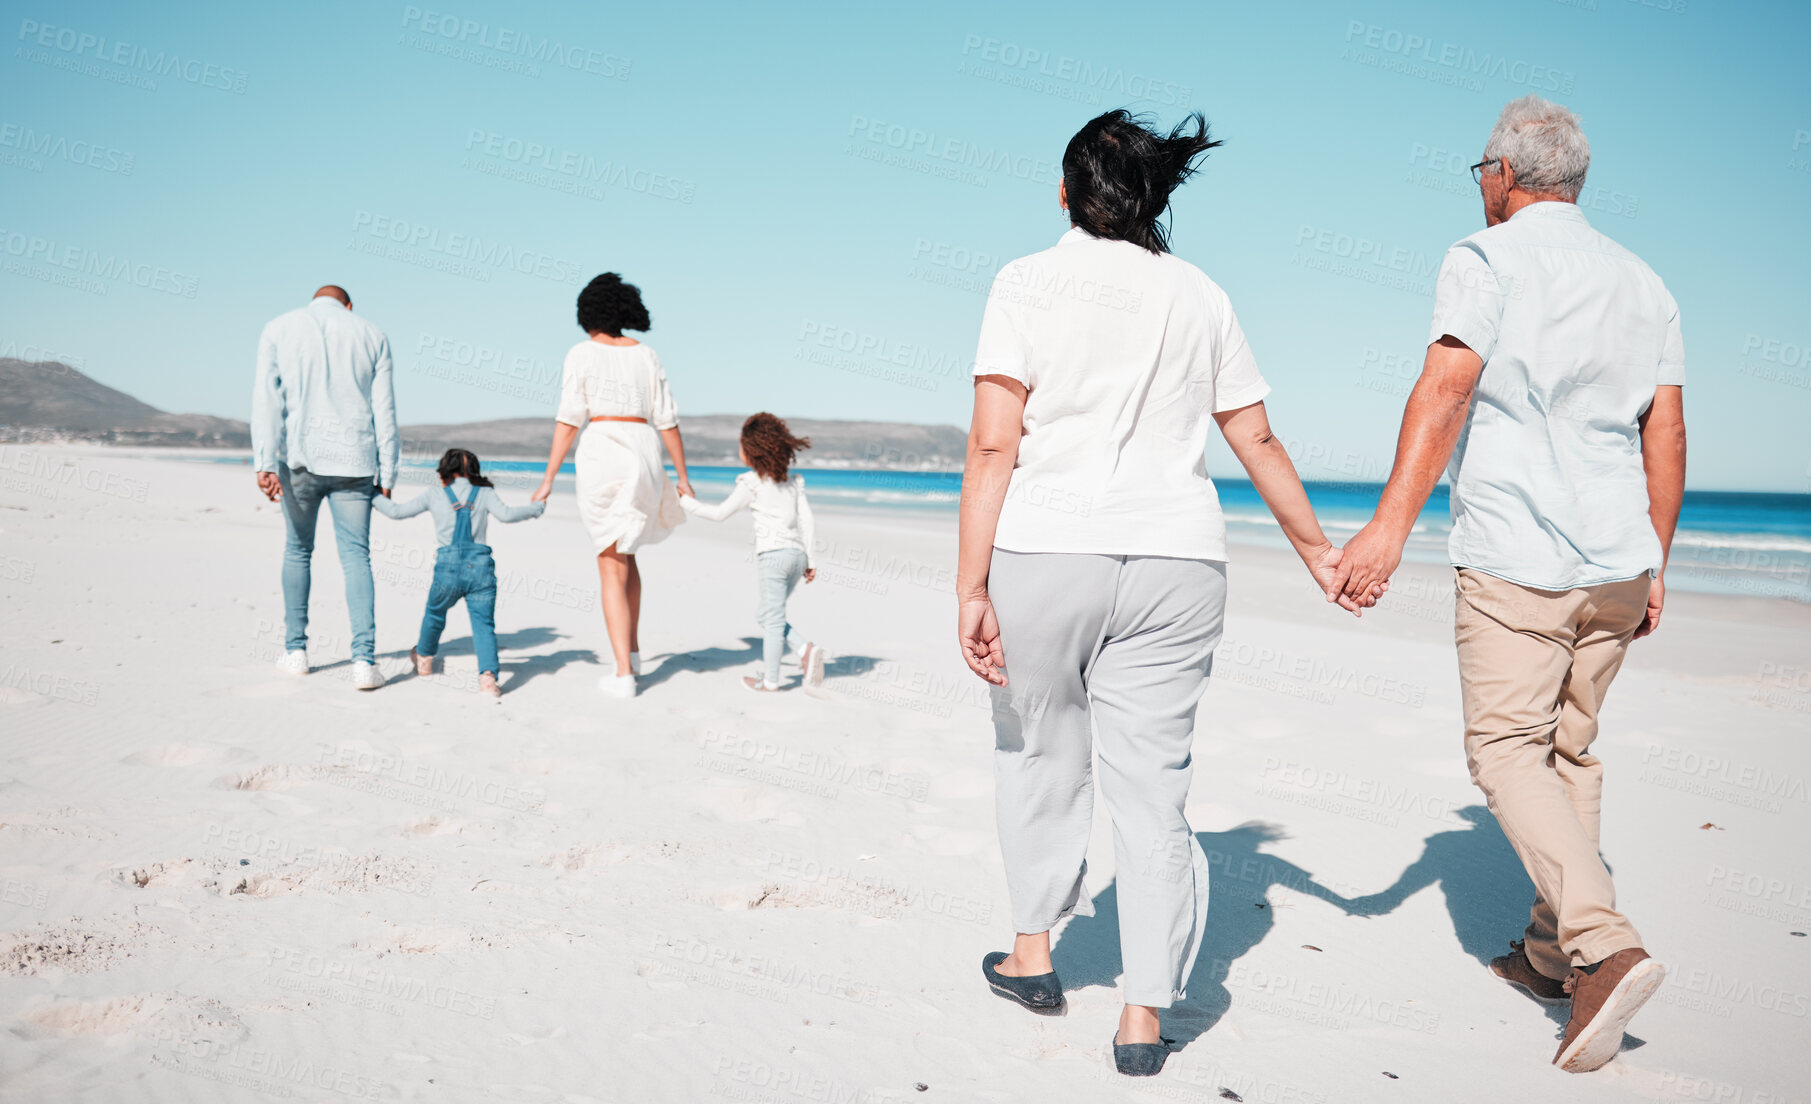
(978, 634)
(385, 491)
(1656, 599)
(270, 485)
(685, 488)
(810, 574)
(541, 492)
(1366, 564)
(1324, 566)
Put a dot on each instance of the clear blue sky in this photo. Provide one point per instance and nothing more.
(814, 198)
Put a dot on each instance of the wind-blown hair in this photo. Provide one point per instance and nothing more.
(609, 306)
(1544, 145)
(770, 446)
(460, 463)
(1118, 173)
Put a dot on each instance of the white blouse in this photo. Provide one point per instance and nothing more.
(623, 381)
(782, 515)
(1126, 355)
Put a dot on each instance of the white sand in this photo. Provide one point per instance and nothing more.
(223, 883)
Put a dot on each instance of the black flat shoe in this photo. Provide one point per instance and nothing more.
(1042, 993)
(1140, 1059)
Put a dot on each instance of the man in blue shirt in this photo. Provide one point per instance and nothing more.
(324, 431)
(1554, 382)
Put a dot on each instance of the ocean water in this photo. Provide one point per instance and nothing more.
(1728, 542)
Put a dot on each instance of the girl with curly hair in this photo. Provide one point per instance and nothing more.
(783, 541)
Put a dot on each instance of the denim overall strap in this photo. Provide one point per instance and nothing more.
(462, 517)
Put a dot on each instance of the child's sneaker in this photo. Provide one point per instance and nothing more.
(813, 662)
(487, 686)
(759, 684)
(293, 663)
(617, 686)
(424, 665)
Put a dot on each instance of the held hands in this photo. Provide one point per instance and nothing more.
(1324, 566)
(811, 574)
(978, 634)
(684, 486)
(541, 492)
(270, 485)
(1365, 566)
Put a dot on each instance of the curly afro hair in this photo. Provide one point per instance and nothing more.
(770, 446)
(609, 306)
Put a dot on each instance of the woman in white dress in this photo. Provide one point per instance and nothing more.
(616, 391)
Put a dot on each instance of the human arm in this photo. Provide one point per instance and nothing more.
(676, 449)
(993, 450)
(807, 529)
(504, 512)
(383, 414)
(562, 442)
(739, 496)
(397, 511)
(1248, 434)
(267, 417)
(1431, 424)
(1663, 457)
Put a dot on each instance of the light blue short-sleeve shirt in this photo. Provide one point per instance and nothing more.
(1576, 333)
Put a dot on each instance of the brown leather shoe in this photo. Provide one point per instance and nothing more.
(1603, 1003)
(1515, 968)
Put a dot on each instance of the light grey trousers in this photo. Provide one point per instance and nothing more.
(1106, 654)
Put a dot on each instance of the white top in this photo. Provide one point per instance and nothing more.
(624, 381)
(323, 399)
(488, 504)
(1548, 488)
(782, 514)
(1126, 354)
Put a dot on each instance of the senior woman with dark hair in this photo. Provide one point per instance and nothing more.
(1091, 579)
(614, 388)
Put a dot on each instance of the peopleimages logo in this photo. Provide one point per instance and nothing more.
(470, 34)
(1414, 48)
(81, 45)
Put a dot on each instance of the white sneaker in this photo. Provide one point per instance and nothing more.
(635, 663)
(293, 663)
(813, 662)
(617, 686)
(366, 676)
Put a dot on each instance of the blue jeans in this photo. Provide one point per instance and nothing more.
(776, 573)
(349, 497)
(463, 571)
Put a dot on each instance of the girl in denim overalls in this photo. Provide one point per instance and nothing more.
(463, 567)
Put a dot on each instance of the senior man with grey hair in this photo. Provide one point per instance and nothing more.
(1554, 382)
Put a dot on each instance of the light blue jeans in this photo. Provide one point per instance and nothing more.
(349, 498)
(776, 573)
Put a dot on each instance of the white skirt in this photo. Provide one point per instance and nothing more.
(624, 495)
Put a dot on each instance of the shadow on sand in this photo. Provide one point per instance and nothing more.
(1486, 891)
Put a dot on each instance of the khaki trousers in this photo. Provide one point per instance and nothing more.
(1534, 666)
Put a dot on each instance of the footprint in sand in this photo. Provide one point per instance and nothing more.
(101, 1017)
(277, 776)
(738, 803)
(188, 755)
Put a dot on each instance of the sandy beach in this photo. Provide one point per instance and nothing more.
(218, 882)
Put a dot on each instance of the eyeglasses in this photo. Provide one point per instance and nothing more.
(1477, 171)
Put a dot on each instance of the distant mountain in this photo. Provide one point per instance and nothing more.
(711, 439)
(49, 400)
